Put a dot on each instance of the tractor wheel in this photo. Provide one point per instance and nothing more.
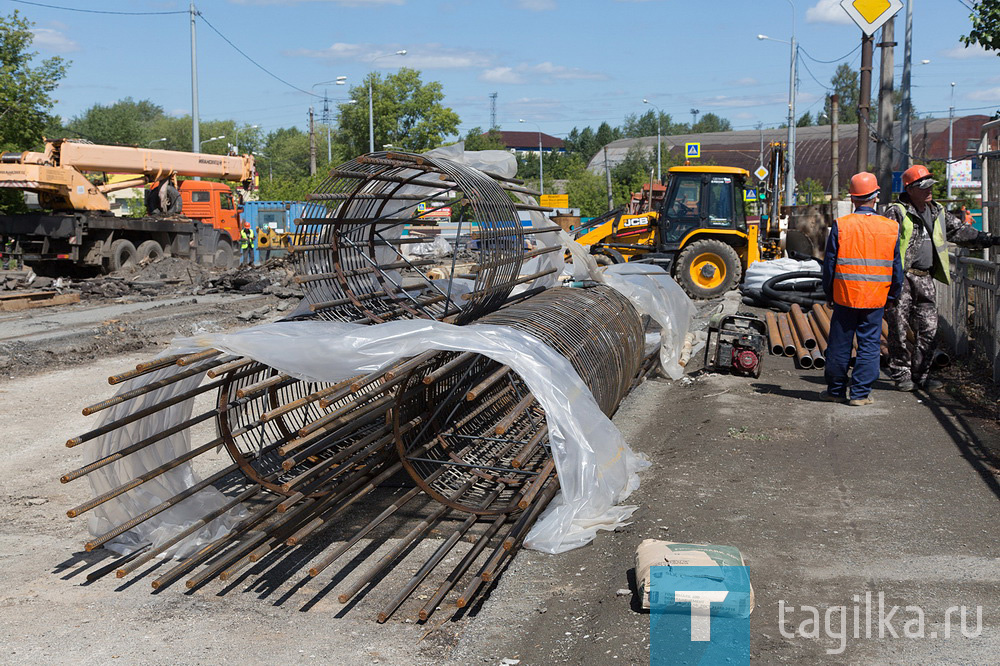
(707, 269)
(149, 250)
(607, 256)
(123, 255)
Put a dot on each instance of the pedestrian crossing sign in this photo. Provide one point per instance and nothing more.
(692, 149)
(750, 194)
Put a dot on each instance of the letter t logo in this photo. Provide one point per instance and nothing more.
(701, 602)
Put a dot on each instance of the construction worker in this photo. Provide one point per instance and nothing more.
(246, 245)
(861, 271)
(924, 225)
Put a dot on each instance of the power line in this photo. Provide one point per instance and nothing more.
(254, 62)
(96, 11)
(828, 62)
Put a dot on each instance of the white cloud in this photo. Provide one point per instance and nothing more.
(747, 81)
(423, 56)
(544, 72)
(501, 75)
(962, 52)
(985, 95)
(537, 5)
(828, 11)
(53, 40)
(341, 3)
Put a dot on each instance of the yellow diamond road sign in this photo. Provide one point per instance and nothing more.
(871, 14)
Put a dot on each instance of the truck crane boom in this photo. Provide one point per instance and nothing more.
(58, 173)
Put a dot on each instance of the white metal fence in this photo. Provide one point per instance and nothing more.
(969, 308)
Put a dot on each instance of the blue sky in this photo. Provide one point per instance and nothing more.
(557, 63)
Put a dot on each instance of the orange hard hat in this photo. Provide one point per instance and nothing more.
(863, 185)
(246, 225)
(915, 173)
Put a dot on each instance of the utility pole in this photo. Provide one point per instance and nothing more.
(883, 148)
(864, 102)
(312, 144)
(906, 110)
(835, 148)
(607, 173)
(790, 180)
(195, 129)
(951, 126)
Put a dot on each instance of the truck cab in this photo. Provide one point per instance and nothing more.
(212, 203)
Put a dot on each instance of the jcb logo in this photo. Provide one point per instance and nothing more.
(635, 222)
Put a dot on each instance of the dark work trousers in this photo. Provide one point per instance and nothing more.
(844, 324)
(914, 309)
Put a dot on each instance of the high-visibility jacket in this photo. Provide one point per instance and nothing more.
(246, 239)
(863, 274)
(940, 270)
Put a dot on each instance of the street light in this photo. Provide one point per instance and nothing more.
(371, 117)
(790, 182)
(541, 174)
(214, 138)
(659, 171)
(150, 144)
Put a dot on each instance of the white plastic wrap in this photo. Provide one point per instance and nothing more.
(652, 291)
(596, 468)
(760, 272)
(153, 492)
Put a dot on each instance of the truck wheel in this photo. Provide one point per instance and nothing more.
(123, 255)
(707, 269)
(150, 250)
(223, 255)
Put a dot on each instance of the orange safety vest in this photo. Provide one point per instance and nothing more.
(867, 246)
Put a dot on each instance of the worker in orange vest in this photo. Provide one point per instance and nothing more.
(861, 272)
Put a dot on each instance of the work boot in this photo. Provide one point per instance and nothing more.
(931, 384)
(861, 402)
(829, 397)
(905, 385)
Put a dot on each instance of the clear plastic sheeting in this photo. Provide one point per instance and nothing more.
(155, 491)
(651, 290)
(596, 467)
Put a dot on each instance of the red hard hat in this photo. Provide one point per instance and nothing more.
(863, 184)
(915, 173)
(246, 225)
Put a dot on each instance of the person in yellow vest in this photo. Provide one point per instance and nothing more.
(861, 272)
(246, 245)
(924, 226)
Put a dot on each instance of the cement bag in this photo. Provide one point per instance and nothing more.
(656, 560)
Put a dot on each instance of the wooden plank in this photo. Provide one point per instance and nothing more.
(35, 299)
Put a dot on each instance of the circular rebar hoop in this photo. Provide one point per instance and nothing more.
(481, 424)
(350, 247)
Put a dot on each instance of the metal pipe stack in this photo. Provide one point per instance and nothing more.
(304, 456)
(804, 335)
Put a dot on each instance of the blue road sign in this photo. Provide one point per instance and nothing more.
(750, 194)
(692, 149)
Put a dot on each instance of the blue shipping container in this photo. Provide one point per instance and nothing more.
(277, 215)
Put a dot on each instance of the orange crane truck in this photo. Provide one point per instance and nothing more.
(75, 225)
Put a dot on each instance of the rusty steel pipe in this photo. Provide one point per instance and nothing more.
(802, 328)
(785, 331)
(773, 335)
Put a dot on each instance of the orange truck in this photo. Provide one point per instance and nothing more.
(76, 225)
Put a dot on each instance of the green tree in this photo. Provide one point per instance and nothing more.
(287, 151)
(25, 88)
(476, 139)
(846, 85)
(408, 114)
(25, 95)
(711, 123)
(588, 192)
(805, 120)
(125, 123)
(606, 134)
(985, 31)
(810, 191)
